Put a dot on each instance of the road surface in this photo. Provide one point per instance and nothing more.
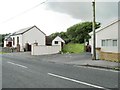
(26, 72)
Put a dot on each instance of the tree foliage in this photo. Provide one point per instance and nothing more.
(2, 37)
(61, 34)
(77, 33)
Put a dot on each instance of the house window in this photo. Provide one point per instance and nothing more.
(109, 42)
(103, 42)
(114, 42)
(56, 42)
(13, 41)
(17, 40)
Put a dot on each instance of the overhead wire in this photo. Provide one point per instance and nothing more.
(25, 11)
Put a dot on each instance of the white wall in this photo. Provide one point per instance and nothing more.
(15, 37)
(5, 42)
(20, 41)
(43, 50)
(15, 45)
(34, 35)
(59, 41)
(110, 32)
(119, 36)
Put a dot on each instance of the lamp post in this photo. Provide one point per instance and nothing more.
(94, 34)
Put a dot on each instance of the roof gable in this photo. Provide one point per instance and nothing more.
(106, 26)
(59, 39)
(22, 31)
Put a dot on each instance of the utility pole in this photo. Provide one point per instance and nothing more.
(94, 33)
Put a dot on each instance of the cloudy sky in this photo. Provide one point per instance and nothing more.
(53, 15)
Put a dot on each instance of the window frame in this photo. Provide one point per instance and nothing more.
(109, 42)
(103, 43)
(55, 42)
(113, 44)
(17, 40)
(13, 40)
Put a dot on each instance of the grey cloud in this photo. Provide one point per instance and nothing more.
(83, 10)
(78, 10)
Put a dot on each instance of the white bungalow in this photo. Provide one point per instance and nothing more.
(107, 42)
(24, 37)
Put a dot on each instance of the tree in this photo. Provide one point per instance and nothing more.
(53, 35)
(61, 34)
(79, 32)
(64, 36)
(2, 37)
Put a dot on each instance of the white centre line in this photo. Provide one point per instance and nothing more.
(17, 65)
(80, 82)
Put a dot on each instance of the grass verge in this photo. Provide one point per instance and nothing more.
(73, 48)
(2, 52)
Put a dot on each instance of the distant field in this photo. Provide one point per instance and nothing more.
(73, 48)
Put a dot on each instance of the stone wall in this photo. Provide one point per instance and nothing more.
(8, 49)
(115, 57)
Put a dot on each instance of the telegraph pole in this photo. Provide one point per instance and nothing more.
(94, 33)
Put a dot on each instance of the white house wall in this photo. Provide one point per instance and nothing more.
(5, 42)
(20, 41)
(119, 36)
(110, 32)
(59, 41)
(33, 36)
(53, 43)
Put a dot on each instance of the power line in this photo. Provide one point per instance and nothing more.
(25, 11)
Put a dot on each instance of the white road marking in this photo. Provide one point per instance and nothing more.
(80, 82)
(17, 65)
(97, 68)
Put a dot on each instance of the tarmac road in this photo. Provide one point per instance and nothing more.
(21, 71)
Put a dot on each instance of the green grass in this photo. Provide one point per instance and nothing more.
(2, 52)
(73, 48)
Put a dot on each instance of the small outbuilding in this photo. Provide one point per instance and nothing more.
(58, 41)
